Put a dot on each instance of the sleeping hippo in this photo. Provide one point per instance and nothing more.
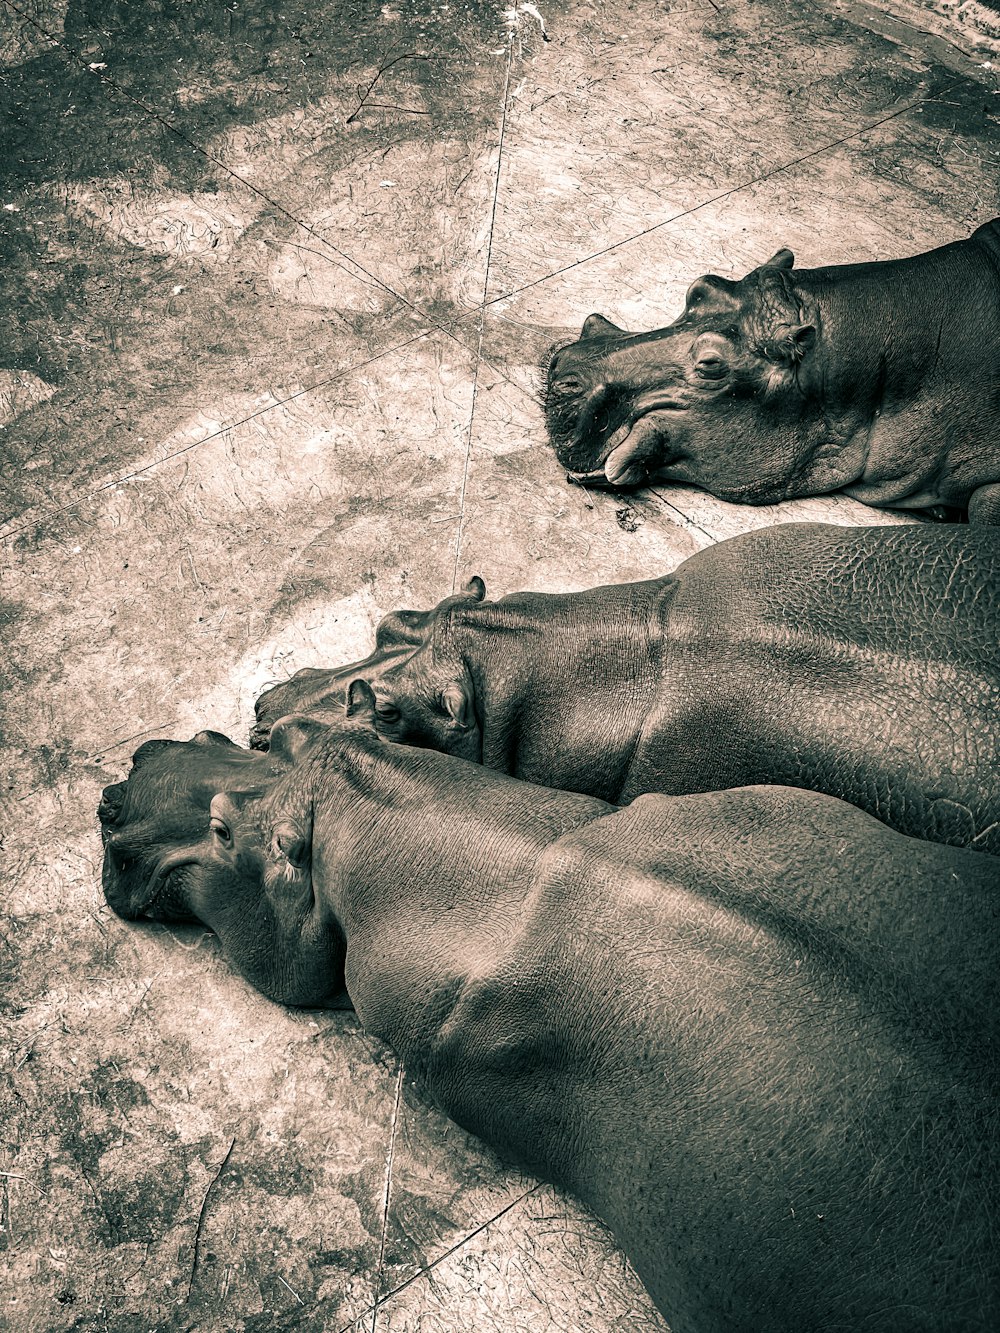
(755, 1031)
(862, 662)
(881, 380)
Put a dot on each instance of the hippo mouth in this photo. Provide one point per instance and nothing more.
(635, 450)
(161, 879)
(159, 890)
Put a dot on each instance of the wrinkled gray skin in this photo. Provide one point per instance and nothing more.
(861, 662)
(756, 1031)
(881, 380)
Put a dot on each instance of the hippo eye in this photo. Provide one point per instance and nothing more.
(221, 830)
(711, 367)
(387, 712)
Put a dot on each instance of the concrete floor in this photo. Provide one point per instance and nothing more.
(270, 374)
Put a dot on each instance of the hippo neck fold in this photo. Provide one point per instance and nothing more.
(550, 694)
(875, 360)
(425, 861)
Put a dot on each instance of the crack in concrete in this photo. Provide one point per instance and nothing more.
(725, 194)
(201, 1218)
(435, 1263)
(123, 480)
(388, 1192)
(482, 311)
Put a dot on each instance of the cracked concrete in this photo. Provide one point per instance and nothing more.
(277, 279)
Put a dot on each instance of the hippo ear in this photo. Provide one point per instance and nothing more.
(292, 735)
(292, 843)
(789, 343)
(457, 704)
(783, 323)
(360, 703)
(112, 802)
(474, 591)
(782, 258)
(596, 326)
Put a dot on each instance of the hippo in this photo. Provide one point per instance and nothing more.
(755, 1031)
(881, 380)
(861, 662)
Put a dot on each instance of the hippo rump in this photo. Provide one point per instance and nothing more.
(755, 1031)
(861, 662)
(881, 380)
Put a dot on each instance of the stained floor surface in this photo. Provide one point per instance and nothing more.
(277, 280)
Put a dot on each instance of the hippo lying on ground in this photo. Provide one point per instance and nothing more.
(756, 1031)
(880, 380)
(862, 662)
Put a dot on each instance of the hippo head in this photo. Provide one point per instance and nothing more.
(705, 400)
(421, 698)
(155, 826)
(427, 697)
(205, 831)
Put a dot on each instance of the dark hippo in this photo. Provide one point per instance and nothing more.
(881, 380)
(862, 662)
(755, 1031)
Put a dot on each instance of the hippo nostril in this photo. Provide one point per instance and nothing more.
(112, 800)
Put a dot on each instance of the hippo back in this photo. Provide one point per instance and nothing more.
(775, 1025)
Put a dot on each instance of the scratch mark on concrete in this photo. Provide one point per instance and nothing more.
(686, 521)
(388, 1191)
(201, 1218)
(97, 1198)
(363, 92)
(442, 1257)
(14, 1175)
(291, 1289)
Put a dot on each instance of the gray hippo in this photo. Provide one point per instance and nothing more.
(862, 662)
(756, 1031)
(881, 380)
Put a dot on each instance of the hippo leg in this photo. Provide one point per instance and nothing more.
(984, 505)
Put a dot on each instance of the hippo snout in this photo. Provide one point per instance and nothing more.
(118, 887)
